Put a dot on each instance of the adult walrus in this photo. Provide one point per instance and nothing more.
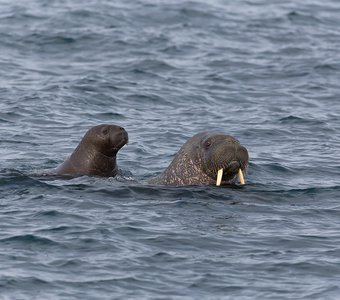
(96, 152)
(206, 158)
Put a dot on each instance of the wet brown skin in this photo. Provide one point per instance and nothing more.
(200, 158)
(96, 152)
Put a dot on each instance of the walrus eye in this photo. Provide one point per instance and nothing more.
(105, 131)
(207, 143)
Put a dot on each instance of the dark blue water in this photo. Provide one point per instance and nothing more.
(266, 72)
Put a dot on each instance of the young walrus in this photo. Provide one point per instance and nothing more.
(205, 159)
(96, 152)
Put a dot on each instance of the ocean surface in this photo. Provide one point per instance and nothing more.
(266, 72)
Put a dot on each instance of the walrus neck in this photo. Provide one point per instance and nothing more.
(94, 162)
(183, 170)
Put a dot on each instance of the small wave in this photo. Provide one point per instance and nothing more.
(11, 281)
(17, 178)
(302, 18)
(327, 69)
(151, 65)
(300, 120)
(42, 38)
(60, 216)
(29, 240)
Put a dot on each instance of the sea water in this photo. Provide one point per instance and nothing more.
(266, 72)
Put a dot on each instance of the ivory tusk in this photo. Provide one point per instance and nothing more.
(219, 177)
(240, 176)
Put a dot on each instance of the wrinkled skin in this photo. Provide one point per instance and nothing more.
(96, 152)
(200, 158)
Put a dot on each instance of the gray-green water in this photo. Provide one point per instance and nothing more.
(266, 72)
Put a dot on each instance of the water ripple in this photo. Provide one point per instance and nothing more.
(266, 73)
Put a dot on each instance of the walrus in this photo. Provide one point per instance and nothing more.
(96, 152)
(205, 159)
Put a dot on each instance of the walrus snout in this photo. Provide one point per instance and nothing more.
(107, 128)
(233, 166)
(120, 133)
(229, 154)
(229, 159)
(235, 160)
(242, 156)
(118, 138)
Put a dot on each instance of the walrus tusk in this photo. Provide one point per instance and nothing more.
(240, 176)
(219, 177)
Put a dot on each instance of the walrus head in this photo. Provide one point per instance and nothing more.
(206, 158)
(222, 157)
(106, 139)
(96, 152)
